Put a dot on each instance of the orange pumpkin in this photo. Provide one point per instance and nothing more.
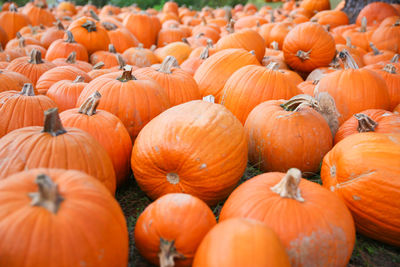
(140, 56)
(12, 81)
(366, 178)
(63, 48)
(52, 34)
(387, 37)
(392, 78)
(179, 50)
(191, 64)
(39, 15)
(243, 242)
(109, 58)
(376, 55)
(45, 200)
(333, 18)
(12, 21)
(171, 228)
(313, 224)
(120, 37)
(144, 27)
(315, 5)
(71, 61)
(206, 160)
(376, 12)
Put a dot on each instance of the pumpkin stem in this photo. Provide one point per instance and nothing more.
(167, 65)
(271, 16)
(21, 42)
(228, 13)
(209, 43)
(390, 69)
(374, 49)
(299, 101)
(89, 25)
(209, 98)
(198, 36)
(303, 55)
(348, 42)
(36, 57)
(273, 65)
(230, 27)
(140, 46)
(168, 253)
(109, 26)
(121, 62)
(126, 74)
(205, 53)
(71, 59)
(274, 45)
(364, 23)
(18, 35)
(365, 123)
(327, 108)
(94, 15)
(395, 59)
(397, 23)
(48, 196)
(185, 40)
(70, 37)
(13, 8)
(347, 59)
(288, 187)
(98, 65)
(203, 21)
(173, 178)
(52, 123)
(152, 48)
(79, 79)
(59, 25)
(27, 90)
(111, 48)
(90, 105)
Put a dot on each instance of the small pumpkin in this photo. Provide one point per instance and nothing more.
(376, 55)
(72, 61)
(140, 56)
(12, 81)
(52, 34)
(120, 37)
(63, 48)
(179, 50)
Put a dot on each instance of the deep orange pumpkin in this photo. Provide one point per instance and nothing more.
(63, 48)
(376, 12)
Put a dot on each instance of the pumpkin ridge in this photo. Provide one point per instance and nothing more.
(353, 179)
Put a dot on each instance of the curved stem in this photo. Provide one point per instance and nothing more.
(168, 253)
(365, 123)
(395, 59)
(94, 15)
(59, 25)
(52, 123)
(70, 37)
(347, 59)
(98, 65)
(288, 187)
(111, 48)
(89, 25)
(364, 23)
(126, 74)
(374, 49)
(167, 64)
(90, 105)
(390, 69)
(36, 57)
(71, 59)
(231, 26)
(303, 55)
(79, 79)
(273, 65)
(109, 26)
(205, 53)
(296, 102)
(27, 90)
(47, 196)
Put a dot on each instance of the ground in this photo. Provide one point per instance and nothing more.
(367, 252)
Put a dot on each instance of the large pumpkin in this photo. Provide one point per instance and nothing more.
(308, 46)
(197, 148)
(376, 12)
(39, 15)
(71, 148)
(363, 170)
(244, 243)
(144, 27)
(171, 228)
(107, 129)
(12, 21)
(313, 224)
(47, 214)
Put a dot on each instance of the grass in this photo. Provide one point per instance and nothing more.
(366, 253)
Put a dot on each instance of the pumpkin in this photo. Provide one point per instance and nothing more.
(333, 18)
(140, 98)
(171, 228)
(66, 6)
(99, 70)
(315, 5)
(387, 37)
(170, 35)
(252, 85)
(57, 74)
(359, 37)
(307, 54)
(39, 15)
(120, 37)
(65, 93)
(313, 224)
(279, 131)
(71, 61)
(144, 27)
(371, 120)
(277, 34)
(72, 149)
(396, 110)
(63, 48)
(22, 109)
(354, 89)
(140, 56)
(212, 75)
(52, 34)
(376, 12)
(109, 58)
(32, 66)
(45, 201)
(392, 78)
(3, 37)
(243, 242)
(366, 178)
(179, 50)
(12, 21)
(179, 86)
(197, 147)
(191, 64)
(308, 87)
(376, 55)
(12, 81)
(90, 34)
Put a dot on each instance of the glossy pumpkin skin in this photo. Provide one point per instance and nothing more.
(279, 140)
(98, 226)
(387, 121)
(252, 85)
(138, 101)
(321, 230)
(12, 81)
(355, 90)
(188, 148)
(366, 178)
(212, 75)
(177, 217)
(27, 148)
(65, 93)
(319, 43)
(244, 243)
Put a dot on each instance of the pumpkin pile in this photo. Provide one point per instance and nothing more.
(184, 99)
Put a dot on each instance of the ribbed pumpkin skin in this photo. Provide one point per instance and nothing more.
(174, 217)
(279, 140)
(363, 170)
(109, 131)
(65, 93)
(317, 232)
(18, 111)
(12, 22)
(387, 123)
(355, 90)
(252, 85)
(143, 27)
(88, 223)
(203, 143)
(12, 81)
(135, 102)
(30, 148)
(57, 74)
(308, 37)
(242, 242)
(179, 85)
(393, 83)
(212, 75)
(246, 39)
(62, 49)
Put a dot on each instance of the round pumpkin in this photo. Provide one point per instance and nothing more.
(313, 224)
(387, 37)
(120, 37)
(72, 61)
(140, 56)
(12, 81)
(363, 169)
(392, 78)
(144, 27)
(12, 21)
(244, 242)
(376, 12)
(52, 34)
(171, 228)
(45, 200)
(198, 148)
(63, 48)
